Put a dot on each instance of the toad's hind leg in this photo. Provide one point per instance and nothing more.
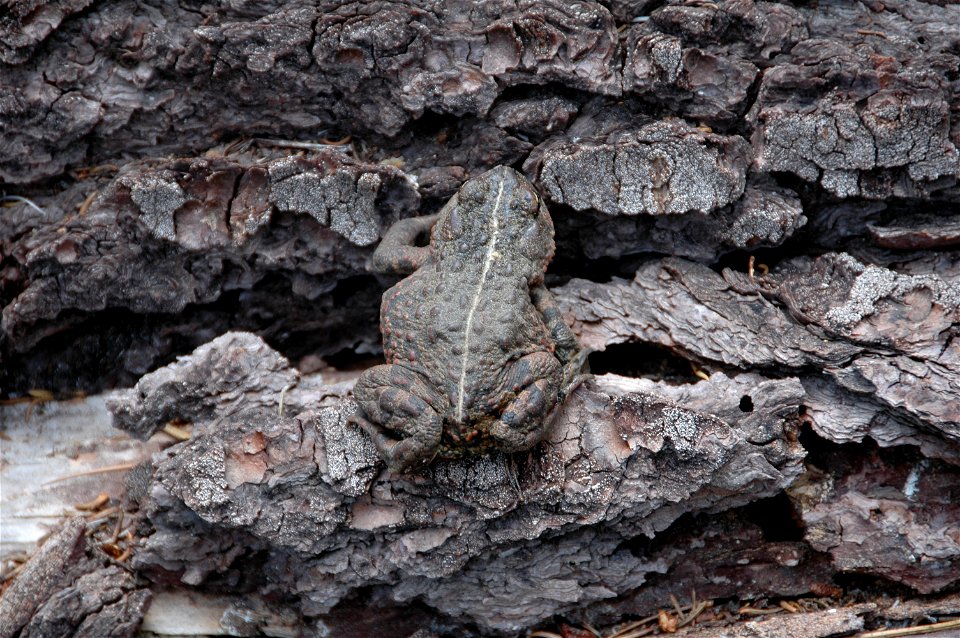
(395, 400)
(536, 377)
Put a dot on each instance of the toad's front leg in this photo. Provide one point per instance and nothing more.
(574, 359)
(396, 400)
(398, 253)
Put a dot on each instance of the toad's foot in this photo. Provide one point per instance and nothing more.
(575, 372)
(521, 425)
(401, 456)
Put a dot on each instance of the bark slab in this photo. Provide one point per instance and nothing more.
(756, 207)
(501, 541)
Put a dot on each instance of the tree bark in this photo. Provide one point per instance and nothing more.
(756, 207)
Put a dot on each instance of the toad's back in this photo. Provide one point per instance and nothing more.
(460, 330)
(466, 313)
(472, 366)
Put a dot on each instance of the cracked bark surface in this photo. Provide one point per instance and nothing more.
(855, 100)
(71, 588)
(756, 207)
(500, 541)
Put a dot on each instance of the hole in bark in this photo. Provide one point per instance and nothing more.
(11, 288)
(524, 91)
(763, 259)
(370, 612)
(643, 545)
(642, 360)
(837, 458)
(432, 123)
(746, 403)
(113, 348)
(601, 271)
(776, 518)
(349, 359)
(579, 237)
(880, 466)
(347, 288)
(791, 181)
(105, 350)
(423, 239)
(242, 576)
(867, 587)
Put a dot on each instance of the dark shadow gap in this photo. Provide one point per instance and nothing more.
(635, 359)
(115, 347)
(776, 517)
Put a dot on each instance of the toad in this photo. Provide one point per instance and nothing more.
(478, 355)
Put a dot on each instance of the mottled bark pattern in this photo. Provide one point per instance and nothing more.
(69, 588)
(756, 206)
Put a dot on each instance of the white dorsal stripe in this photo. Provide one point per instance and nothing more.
(488, 260)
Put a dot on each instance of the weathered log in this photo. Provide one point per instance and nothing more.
(165, 237)
(884, 339)
(687, 307)
(308, 490)
(354, 66)
(39, 577)
(888, 513)
(837, 103)
(656, 168)
(762, 195)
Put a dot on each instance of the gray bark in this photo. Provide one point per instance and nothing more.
(756, 207)
(69, 588)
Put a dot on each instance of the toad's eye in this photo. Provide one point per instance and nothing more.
(454, 226)
(527, 202)
(473, 193)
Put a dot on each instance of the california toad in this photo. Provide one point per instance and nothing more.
(477, 353)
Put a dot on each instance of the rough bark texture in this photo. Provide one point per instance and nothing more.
(501, 541)
(757, 209)
(70, 588)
